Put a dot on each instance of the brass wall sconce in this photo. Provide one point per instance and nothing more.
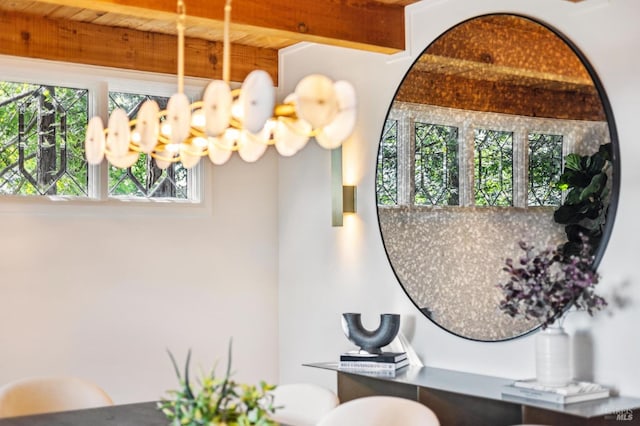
(343, 197)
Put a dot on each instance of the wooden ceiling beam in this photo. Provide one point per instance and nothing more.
(502, 96)
(364, 25)
(510, 42)
(26, 35)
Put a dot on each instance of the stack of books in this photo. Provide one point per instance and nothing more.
(573, 392)
(385, 363)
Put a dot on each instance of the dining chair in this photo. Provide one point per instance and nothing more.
(302, 404)
(37, 395)
(380, 411)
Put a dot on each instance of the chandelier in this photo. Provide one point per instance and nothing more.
(246, 120)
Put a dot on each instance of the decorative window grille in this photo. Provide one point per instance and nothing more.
(436, 165)
(387, 169)
(545, 168)
(493, 166)
(42, 132)
(145, 178)
(432, 156)
(41, 140)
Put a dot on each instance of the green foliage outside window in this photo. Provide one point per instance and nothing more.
(42, 132)
(436, 165)
(436, 178)
(144, 178)
(493, 161)
(41, 140)
(387, 169)
(545, 168)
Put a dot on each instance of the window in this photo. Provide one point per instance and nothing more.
(432, 156)
(42, 131)
(41, 140)
(145, 179)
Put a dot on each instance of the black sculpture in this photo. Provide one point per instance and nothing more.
(370, 341)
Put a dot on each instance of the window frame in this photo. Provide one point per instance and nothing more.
(99, 81)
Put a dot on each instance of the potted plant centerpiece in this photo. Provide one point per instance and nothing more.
(543, 285)
(217, 401)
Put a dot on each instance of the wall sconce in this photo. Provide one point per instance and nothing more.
(349, 193)
(343, 197)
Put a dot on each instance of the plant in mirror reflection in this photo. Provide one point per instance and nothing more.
(544, 284)
(585, 207)
(217, 401)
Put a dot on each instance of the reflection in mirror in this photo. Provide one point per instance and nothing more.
(469, 162)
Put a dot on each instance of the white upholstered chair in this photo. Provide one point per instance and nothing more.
(38, 395)
(302, 404)
(380, 411)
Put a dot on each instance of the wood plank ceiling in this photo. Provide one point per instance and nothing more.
(140, 34)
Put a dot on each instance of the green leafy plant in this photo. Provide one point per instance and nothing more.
(584, 211)
(217, 401)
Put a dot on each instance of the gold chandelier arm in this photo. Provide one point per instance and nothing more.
(173, 159)
(197, 133)
(288, 120)
(285, 110)
(235, 123)
(218, 145)
(199, 153)
(162, 139)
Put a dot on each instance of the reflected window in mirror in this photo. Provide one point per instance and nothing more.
(545, 168)
(436, 165)
(516, 161)
(493, 167)
(387, 168)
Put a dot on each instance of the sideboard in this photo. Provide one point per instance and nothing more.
(465, 399)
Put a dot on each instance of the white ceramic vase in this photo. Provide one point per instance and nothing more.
(553, 357)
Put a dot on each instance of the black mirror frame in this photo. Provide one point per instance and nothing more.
(615, 161)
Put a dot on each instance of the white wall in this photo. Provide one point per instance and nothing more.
(101, 292)
(325, 271)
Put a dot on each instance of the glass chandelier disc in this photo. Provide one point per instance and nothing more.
(147, 125)
(95, 141)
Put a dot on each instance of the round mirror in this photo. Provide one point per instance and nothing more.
(469, 164)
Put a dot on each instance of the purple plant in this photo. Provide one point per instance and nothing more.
(544, 284)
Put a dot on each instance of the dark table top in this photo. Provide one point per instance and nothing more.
(141, 414)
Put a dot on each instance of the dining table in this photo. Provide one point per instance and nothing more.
(138, 414)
